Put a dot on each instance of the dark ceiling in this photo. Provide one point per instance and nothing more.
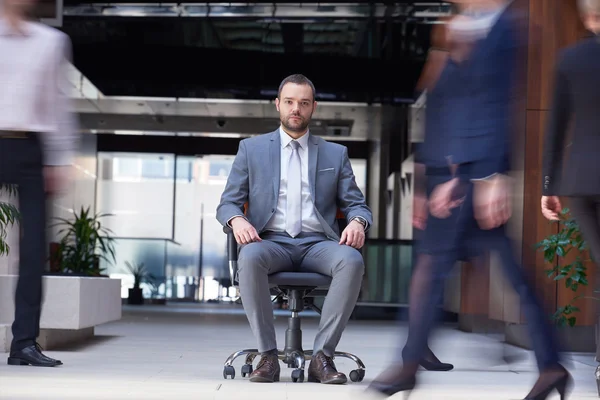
(348, 59)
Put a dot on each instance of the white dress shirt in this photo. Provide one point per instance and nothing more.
(33, 76)
(310, 222)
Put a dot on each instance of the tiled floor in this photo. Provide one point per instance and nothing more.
(177, 352)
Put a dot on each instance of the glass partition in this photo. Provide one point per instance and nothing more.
(388, 265)
(149, 252)
(164, 211)
(138, 189)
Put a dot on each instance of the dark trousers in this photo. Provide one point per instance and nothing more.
(443, 244)
(21, 164)
(586, 211)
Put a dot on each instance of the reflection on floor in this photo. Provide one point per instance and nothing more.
(177, 352)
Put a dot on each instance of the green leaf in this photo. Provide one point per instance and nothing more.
(574, 287)
(9, 215)
(566, 269)
(84, 242)
(569, 282)
(572, 321)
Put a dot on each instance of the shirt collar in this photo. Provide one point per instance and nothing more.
(286, 139)
(7, 30)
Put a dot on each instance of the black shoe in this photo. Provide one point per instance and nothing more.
(32, 355)
(560, 381)
(436, 366)
(391, 388)
(431, 363)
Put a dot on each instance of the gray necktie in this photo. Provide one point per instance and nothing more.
(293, 215)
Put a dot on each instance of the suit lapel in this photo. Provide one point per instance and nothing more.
(275, 158)
(313, 155)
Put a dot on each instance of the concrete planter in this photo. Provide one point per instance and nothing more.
(71, 308)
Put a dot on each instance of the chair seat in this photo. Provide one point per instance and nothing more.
(310, 279)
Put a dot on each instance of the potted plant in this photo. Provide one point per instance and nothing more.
(9, 214)
(140, 275)
(557, 247)
(155, 297)
(83, 244)
(574, 274)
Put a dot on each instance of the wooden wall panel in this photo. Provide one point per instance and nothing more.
(535, 226)
(552, 26)
(543, 45)
(475, 287)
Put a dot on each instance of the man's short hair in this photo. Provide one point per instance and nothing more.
(298, 79)
(589, 6)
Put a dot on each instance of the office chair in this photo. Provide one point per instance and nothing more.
(299, 289)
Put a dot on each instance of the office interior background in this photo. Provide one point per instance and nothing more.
(164, 92)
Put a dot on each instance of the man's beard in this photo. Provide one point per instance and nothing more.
(300, 126)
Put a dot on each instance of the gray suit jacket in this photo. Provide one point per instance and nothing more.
(255, 178)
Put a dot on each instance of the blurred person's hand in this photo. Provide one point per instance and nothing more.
(420, 211)
(243, 231)
(492, 201)
(551, 207)
(443, 200)
(57, 179)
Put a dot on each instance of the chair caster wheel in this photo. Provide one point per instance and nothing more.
(298, 375)
(357, 375)
(246, 370)
(228, 370)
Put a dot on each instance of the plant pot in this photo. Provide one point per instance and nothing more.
(136, 296)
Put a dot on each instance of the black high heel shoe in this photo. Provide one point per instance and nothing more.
(431, 363)
(436, 366)
(562, 385)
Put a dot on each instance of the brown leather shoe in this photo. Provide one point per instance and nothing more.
(322, 369)
(267, 370)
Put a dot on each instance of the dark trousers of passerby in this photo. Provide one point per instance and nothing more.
(21, 164)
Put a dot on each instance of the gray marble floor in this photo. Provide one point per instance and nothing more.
(177, 352)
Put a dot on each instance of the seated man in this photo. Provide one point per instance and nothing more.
(294, 183)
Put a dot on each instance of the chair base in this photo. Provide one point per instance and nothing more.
(294, 359)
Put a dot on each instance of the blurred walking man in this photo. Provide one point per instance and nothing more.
(37, 141)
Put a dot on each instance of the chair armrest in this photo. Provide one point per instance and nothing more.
(232, 254)
(232, 246)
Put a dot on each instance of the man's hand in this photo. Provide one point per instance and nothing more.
(56, 179)
(551, 207)
(420, 211)
(441, 202)
(492, 202)
(243, 231)
(353, 235)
